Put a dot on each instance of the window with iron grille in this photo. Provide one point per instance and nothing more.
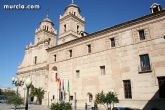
(145, 62)
(35, 60)
(112, 42)
(102, 69)
(55, 57)
(141, 34)
(89, 48)
(127, 89)
(70, 53)
(77, 73)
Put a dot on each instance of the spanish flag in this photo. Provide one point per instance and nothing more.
(58, 83)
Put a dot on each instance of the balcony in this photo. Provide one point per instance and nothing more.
(145, 68)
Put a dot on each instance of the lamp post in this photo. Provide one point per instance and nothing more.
(75, 101)
(28, 84)
(17, 81)
(48, 97)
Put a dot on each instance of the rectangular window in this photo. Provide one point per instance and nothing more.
(127, 89)
(49, 41)
(89, 48)
(161, 81)
(112, 42)
(53, 97)
(35, 60)
(70, 53)
(141, 34)
(55, 58)
(77, 73)
(71, 97)
(102, 69)
(145, 63)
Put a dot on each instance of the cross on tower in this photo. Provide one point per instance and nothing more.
(72, 1)
(47, 13)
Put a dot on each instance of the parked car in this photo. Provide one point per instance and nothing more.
(2, 101)
(124, 108)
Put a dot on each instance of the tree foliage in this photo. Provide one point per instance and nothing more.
(39, 93)
(7, 95)
(106, 99)
(61, 106)
(0, 91)
(100, 98)
(15, 100)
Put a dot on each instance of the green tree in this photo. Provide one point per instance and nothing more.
(100, 98)
(106, 99)
(16, 100)
(61, 106)
(7, 95)
(111, 98)
(39, 93)
(0, 91)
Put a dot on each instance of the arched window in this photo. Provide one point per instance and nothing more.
(54, 68)
(77, 29)
(65, 28)
(155, 7)
(54, 72)
(90, 96)
(47, 28)
(35, 60)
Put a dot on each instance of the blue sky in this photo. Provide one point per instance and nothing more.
(17, 26)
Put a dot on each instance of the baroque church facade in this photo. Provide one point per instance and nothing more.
(128, 58)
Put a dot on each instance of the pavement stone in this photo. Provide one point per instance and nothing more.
(31, 107)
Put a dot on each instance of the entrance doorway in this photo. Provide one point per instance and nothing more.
(161, 81)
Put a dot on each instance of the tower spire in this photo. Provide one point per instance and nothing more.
(72, 1)
(47, 13)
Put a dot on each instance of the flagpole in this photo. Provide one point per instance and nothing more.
(63, 97)
(69, 90)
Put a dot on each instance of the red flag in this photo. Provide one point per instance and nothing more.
(59, 83)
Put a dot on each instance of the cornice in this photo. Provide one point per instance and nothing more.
(71, 15)
(113, 28)
(39, 43)
(44, 31)
(36, 69)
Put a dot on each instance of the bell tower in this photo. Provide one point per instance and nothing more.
(71, 24)
(46, 32)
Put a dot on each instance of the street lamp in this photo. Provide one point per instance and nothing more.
(17, 81)
(48, 97)
(28, 83)
(75, 101)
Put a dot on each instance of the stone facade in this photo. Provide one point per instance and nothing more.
(102, 60)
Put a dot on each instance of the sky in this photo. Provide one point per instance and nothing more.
(17, 26)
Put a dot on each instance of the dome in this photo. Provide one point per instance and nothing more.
(47, 19)
(73, 5)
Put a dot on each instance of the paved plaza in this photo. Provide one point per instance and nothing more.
(31, 107)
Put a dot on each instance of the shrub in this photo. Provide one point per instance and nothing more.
(15, 100)
(61, 106)
(39, 93)
(106, 99)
